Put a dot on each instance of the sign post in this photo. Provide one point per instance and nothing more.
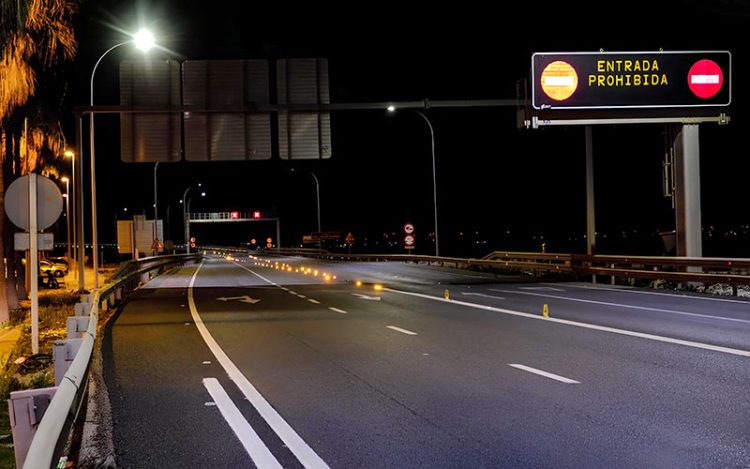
(409, 239)
(33, 203)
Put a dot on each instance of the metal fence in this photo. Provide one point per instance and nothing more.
(51, 435)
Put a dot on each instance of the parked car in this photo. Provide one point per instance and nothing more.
(59, 260)
(47, 268)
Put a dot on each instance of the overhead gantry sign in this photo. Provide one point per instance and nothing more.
(610, 80)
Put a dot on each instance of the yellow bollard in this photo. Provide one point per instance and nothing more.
(545, 310)
(447, 294)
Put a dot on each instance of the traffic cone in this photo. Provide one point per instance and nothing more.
(545, 310)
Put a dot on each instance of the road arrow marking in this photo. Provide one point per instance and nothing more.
(365, 297)
(242, 299)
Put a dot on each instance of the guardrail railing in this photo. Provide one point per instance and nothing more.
(707, 270)
(51, 435)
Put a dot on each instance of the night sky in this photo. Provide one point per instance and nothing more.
(498, 187)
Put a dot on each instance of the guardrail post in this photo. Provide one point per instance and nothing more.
(83, 309)
(25, 409)
(77, 326)
(63, 353)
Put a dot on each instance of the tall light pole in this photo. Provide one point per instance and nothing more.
(156, 213)
(144, 41)
(185, 211)
(72, 201)
(317, 197)
(67, 213)
(392, 109)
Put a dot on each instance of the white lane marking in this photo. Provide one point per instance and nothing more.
(403, 331)
(676, 295)
(618, 305)
(541, 288)
(291, 439)
(642, 335)
(292, 292)
(209, 404)
(313, 301)
(301, 296)
(206, 362)
(365, 297)
(336, 310)
(258, 451)
(546, 374)
(484, 295)
(242, 299)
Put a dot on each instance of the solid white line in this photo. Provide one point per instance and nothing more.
(541, 288)
(403, 331)
(313, 301)
(676, 295)
(291, 439)
(546, 374)
(618, 305)
(336, 310)
(258, 451)
(495, 297)
(658, 338)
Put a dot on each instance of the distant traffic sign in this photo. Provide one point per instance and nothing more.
(607, 80)
(409, 241)
(408, 228)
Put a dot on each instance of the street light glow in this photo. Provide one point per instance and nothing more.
(69, 154)
(203, 194)
(144, 40)
(391, 108)
(64, 179)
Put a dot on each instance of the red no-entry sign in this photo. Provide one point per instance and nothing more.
(705, 78)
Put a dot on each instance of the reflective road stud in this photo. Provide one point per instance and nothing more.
(545, 311)
(447, 294)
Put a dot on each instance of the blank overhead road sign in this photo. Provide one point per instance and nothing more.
(608, 80)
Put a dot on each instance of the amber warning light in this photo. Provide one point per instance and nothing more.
(607, 80)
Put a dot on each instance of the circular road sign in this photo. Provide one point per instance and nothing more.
(705, 78)
(408, 228)
(49, 202)
(409, 240)
(559, 80)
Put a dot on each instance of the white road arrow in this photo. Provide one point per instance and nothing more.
(365, 297)
(242, 299)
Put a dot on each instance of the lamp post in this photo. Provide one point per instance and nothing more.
(144, 41)
(72, 201)
(185, 212)
(67, 213)
(156, 213)
(317, 196)
(392, 109)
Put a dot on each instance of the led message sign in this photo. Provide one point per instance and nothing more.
(603, 80)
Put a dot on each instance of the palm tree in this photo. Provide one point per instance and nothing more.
(37, 35)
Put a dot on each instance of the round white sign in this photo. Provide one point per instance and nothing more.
(49, 202)
(409, 240)
(408, 228)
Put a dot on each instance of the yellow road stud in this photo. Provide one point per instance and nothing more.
(447, 294)
(545, 310)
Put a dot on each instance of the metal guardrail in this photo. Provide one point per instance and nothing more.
(707, 270)
(53, 431)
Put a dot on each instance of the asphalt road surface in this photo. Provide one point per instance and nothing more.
(275, 363)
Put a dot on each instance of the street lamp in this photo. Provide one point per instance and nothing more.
(317, 196)
(72, 196)
(392, 109)
(143, 41)
(67, 212)
(185, 212)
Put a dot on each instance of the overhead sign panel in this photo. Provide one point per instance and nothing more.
(303, 135)
(148, 85)
(236, 85)
(606, 80)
